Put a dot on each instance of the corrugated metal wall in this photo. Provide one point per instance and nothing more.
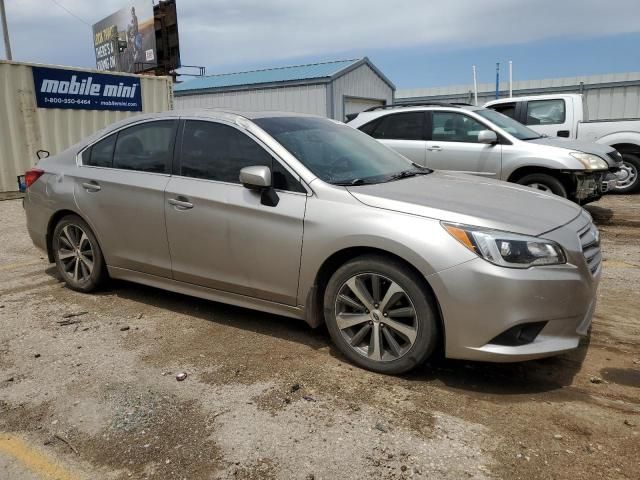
(24, 128)
(361, 82)
(310, 99)
(613, 102)
(609, 96)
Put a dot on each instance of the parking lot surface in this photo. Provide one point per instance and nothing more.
(88, 388)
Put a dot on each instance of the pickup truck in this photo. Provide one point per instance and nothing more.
(566, 115)
(480, 141)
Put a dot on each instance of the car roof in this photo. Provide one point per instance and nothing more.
(206, 113)
(377, 112)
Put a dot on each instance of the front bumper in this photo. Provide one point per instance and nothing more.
(609, 182)
(480, 301)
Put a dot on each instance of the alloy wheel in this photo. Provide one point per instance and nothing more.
(75, 253)
(376, 317)
(540, 186)
(627, 176)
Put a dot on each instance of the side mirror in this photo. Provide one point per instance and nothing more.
(487, 136)
(42, 154)
(258, 178)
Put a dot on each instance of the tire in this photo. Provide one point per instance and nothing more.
(545, 183)
(78, 255)
(631, 182)
(403, 346)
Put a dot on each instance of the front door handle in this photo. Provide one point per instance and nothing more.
(435, 148)
(91, 186)
(181, 203)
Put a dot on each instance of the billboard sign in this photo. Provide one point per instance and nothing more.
(125, 41)
(61, 88)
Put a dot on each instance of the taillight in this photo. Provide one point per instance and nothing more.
(31, 175)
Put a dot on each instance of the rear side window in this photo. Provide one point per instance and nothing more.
(214, 151)
(400, 126)
(545, 112)
(101, 153)
(147, 147)
(508, 109)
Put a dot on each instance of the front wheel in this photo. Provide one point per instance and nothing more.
(77, 254)
(380, 315)
(544, 183)
(629, 175)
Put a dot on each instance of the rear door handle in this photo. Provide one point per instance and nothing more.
(91, 186)
(181, 203)
(435, 148)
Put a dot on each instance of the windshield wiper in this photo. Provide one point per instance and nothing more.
(409, 173)
(352, 183)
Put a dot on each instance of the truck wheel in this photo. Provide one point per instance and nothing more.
(545, 183)
(629, 176)
(380, 315)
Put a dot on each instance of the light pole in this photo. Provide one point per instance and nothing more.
(5, 30)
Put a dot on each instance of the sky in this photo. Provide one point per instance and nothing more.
(416, 43)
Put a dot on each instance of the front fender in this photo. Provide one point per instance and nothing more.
(509, 168)
(420, 241)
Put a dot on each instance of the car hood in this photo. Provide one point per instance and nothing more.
(471, 200)
(602, 151)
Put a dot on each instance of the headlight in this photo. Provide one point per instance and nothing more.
(590, 162)
(507, 249)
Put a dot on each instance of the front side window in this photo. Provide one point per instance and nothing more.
(147, 147)
(455, 127)
(214, 151)
(400, 126)
(545, 112)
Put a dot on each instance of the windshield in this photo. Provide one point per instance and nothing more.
(508, 124)
(336, 153)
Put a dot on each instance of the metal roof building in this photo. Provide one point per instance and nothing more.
(608, 96)
(332, 89)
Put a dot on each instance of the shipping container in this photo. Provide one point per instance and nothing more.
(67, 106)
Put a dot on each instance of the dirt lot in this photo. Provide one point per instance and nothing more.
(267, 397)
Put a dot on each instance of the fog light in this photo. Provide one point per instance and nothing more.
(519, 335)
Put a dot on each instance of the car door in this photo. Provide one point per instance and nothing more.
(220, 234)
(454, 146)
(119, 190)
(403, 132)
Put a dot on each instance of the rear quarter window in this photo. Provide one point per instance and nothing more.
(100, 154)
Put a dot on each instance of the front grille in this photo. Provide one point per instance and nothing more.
(590, 243)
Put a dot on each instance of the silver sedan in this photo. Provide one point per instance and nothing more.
(308, 218)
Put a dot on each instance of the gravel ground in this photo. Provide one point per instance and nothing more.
(267, 397)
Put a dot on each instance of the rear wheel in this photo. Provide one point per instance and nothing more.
(629, 175)
(379, 314)
(544, 183)
(77, 254)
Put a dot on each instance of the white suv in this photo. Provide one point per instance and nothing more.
(481, 141)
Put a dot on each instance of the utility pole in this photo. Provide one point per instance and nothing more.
(5, 30)
(510, 79)
(497, 80)
(475, 86)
